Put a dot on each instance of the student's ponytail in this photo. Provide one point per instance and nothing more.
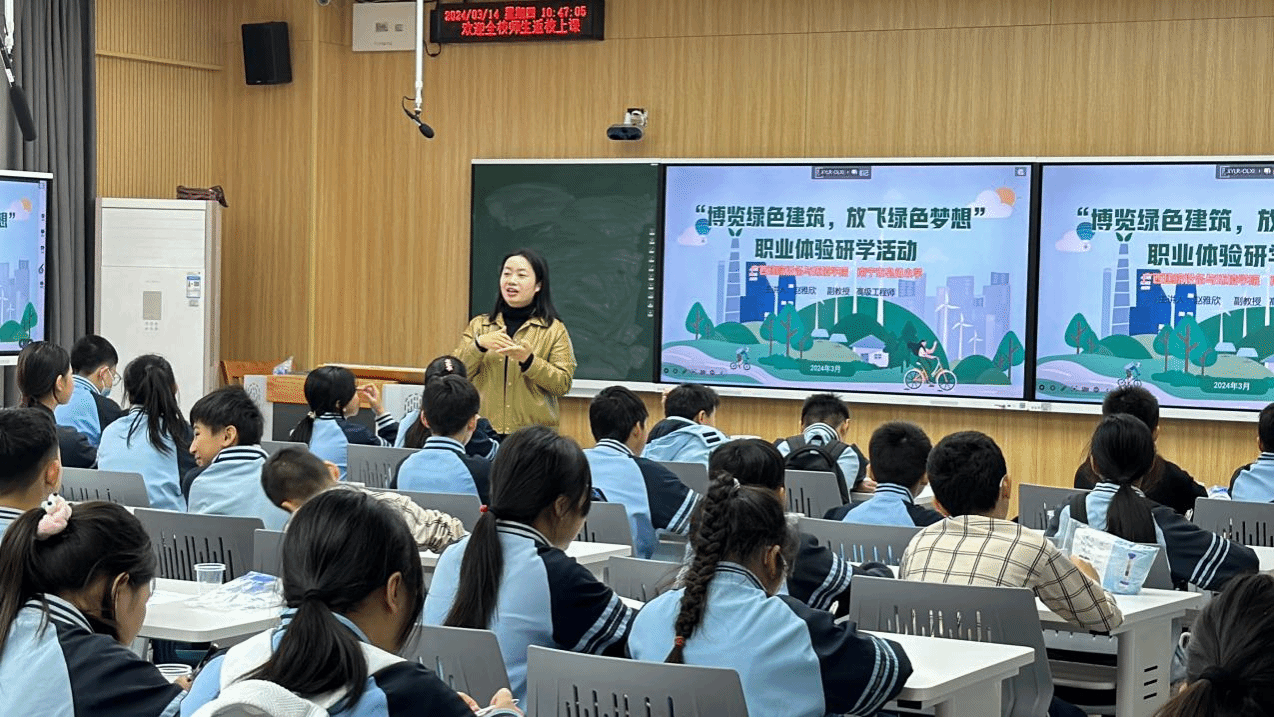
(40, 365)
(328, 389)
(417, 432)
(150, 385)
(534, 467)
(1123, 452)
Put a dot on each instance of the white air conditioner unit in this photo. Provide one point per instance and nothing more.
(385, 27)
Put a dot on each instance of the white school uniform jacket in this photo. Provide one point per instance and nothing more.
(231, 485)
(88, 411)
(545, 599)
(682, 440)
(792, 660)
(333, 434)
(442, 466)
(55, 664)
(161, 470)
(654, 498)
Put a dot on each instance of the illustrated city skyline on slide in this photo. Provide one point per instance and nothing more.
(22, 252)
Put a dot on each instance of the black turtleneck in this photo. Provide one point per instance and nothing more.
(515, 318)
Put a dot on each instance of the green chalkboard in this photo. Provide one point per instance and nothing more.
(596, 225)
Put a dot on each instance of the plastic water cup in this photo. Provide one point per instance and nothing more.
(209, 576)
(172, 672)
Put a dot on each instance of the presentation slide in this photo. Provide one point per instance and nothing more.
(1157, 275)
(22, 240)
(901, 279)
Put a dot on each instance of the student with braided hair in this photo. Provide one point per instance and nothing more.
(791, 660)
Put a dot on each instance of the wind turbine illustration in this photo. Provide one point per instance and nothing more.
(945, 309)
(975, 340)
(961, 325)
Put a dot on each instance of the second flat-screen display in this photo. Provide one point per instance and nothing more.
(882, 278)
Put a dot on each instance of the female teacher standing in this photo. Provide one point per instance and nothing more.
(519, 356)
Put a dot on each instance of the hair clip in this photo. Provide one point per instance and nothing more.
(679, 641)
(447, 364)
(482, 509)
(57, 513)
(311, 415)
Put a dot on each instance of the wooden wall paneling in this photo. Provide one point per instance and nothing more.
(626, 19)
(838, 16)
(189, 30)
(1086, 11)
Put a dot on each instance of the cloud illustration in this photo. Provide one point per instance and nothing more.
(20, 209)
(1070, 243)
(993, 203)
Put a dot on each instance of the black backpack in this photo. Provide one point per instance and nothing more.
(804, 456)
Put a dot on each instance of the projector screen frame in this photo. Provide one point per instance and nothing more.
(9, 357)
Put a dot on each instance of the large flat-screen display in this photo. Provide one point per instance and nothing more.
(23, 233)
(1157, 275)
(882, 278)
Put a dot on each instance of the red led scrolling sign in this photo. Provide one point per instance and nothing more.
(523, 21)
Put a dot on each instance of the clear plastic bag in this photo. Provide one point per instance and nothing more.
(1121, 564)
(253, 591)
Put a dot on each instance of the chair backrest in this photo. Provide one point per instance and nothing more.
(694, 475)
(183, 540)
(463, 506)
(812, 493)
(272, 447)
(1240, 521)
(267, 552)
(469, 661)
(861, 543)
(640, 579)
(1160, 576)
(607, 523)
(1038, 503)
(374, 466)
(81, 484)
(963, 612)
(572, 684)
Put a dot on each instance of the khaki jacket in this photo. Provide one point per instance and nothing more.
(511, 398)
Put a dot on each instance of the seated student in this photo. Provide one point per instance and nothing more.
(899, 451)
(511, 574)
(687, 434)
(413, 431)
(74, 581)
(653, 496)
(442, 466)
(227, 448)
(1254, 482)
(346, 619)
(294, 475)
(90, 411)
(30, 468)
(1230, 656)
(819, 577)
(1166, 483)
(1122, 454)
(44, 378)
(154, 438)
(821, 445)
(334, 399)
(791, 660)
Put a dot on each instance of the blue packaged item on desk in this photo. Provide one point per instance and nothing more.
(1122, 565)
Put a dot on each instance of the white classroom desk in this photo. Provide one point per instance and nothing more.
(591, 555)
(1267, 558)
(169, 617)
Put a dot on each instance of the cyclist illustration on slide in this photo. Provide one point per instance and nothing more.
(928, 369)
(742, 359)
(1132, 375)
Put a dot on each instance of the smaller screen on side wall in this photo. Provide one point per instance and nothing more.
(1157, 275)
(23, 268)
(894, 279)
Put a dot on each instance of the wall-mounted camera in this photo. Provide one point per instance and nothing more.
(632, 129)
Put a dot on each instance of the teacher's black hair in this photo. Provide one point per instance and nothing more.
(542, 305)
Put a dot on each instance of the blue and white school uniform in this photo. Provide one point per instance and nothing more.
(7, 516)
(654, 498)
(55, 664)
(443, 467)
(851, 461)
(892, 504)
(333, 434)
(792, 660)
(1254, 482)
(482, 444)
(160, 469)
(546, 599)
(88, 411)
(1195, 556)
(682, 440)
(231, 485)
(395, 687)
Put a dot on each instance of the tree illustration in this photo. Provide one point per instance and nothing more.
(1188, 340)
(899, 354)
(1204, 358)
(805, 342)
(1009, 354)
(1080, 335)
(697, 321)
(29, 318)
(1163, 344)
(767, 330)
(789, 328)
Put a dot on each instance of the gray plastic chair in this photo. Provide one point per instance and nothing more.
(694, 475)
(812, 493)
(861, 543)
(272, 447)
(1038, 503)
(607, 523)
(570, 684)
(467, 508)
(469, 661)
(963, 612)
(640, 579)
(1240, 521)
(183, 540)
(82, 484)
(374, 466)
(267, 552)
